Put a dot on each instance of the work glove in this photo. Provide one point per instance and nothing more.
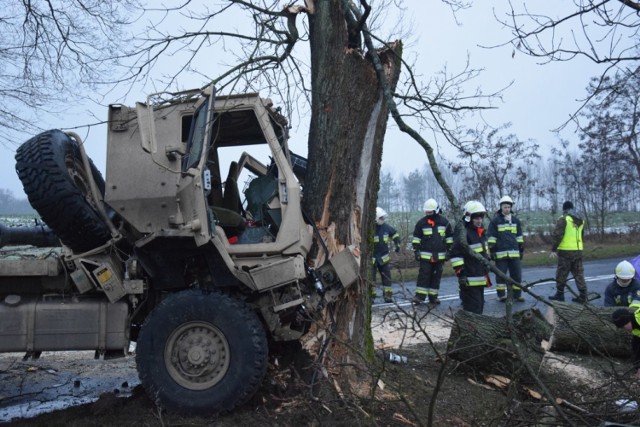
(459, 271)
(553, 254)
(463, 283)
(521, 253)
(397, 249)
(417, 255)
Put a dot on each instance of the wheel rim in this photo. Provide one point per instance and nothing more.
(197, 355)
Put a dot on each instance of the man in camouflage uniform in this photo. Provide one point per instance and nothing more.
(567, 247)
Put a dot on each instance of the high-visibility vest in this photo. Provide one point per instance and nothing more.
(572, 239)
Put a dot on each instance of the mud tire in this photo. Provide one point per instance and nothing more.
(50, 168)
(201, 353)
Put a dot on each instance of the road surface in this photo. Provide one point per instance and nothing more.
(598, 275)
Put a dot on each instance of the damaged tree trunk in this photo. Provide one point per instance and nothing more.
(349, 119)
(587, 329)
(487, 343)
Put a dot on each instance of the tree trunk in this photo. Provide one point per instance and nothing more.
(488, 344)
(349, 117)
(587, 329)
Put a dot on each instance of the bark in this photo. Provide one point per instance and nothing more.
(587, 329)
(349, 117)
(487, 343)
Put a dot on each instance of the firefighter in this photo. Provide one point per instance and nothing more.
(432, 238)
(473, 274)
(624, 290)
(507, 247)
(629, 320)
(384, 234)
(567, 247)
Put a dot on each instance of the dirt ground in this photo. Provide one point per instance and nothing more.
(426, 389)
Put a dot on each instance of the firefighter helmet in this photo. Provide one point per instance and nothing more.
(380, 213)
(473, 209)
(505, 199)
(430, 205)
(625, 271)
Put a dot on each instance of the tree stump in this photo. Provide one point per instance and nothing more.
(487, 343)
(587, 329)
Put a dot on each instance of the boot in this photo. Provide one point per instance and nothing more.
(417, 300)
(388, 296)
(581, 298)
(559, 296)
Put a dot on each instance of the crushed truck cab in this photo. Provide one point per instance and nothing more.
(195, 246)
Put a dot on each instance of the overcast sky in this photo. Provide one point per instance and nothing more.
(540, 99)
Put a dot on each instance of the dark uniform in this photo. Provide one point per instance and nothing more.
(472, 274)
(622, 317)
(567, 241)
(622, 296)
(383, 235)
(506, 244)
(432, 238)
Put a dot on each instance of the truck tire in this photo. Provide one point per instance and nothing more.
(201, 353)
(54, 179)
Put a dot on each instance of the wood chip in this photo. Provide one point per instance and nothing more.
(498, 380)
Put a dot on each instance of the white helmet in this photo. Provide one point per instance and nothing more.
(505, 199)
(472, 208)
(625, 271)
(380, 213)
(430, 205)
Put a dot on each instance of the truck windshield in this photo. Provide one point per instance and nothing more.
(196, 137)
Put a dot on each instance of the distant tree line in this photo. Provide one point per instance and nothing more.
(10, 205)
(601, 175)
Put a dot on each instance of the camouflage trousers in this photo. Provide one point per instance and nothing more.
(570, 262)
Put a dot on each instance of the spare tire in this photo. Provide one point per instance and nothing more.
(55, 181)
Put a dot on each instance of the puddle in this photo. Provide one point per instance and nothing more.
(59, 380)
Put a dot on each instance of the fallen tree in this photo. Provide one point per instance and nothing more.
(586, 329)
(490, 344)
(494, 345)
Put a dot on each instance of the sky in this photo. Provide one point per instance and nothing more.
(540, 98)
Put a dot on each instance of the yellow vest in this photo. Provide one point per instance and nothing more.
(572, 239)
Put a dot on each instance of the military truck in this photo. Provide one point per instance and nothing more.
(201, 272)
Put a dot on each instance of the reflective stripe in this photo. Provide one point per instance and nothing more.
(427, 231)
(520, 239)
(507, 254)
(441, 230)
(507, 227)
(476, 247)
(376, 239)
(385, 258)
(492, 240)
(395, 236)
(432, 292)
(428, 255)
(457, 262)
(501, 287)
(449, 240)
(416, 241)
(422, 291)
(477, 281)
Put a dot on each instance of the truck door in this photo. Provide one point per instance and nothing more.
(195, 180)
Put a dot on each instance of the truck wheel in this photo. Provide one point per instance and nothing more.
(54, 179)
(201, 353)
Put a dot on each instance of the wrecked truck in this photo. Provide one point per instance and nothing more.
(170, 250)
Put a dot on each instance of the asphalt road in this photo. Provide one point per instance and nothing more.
(598, 275)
